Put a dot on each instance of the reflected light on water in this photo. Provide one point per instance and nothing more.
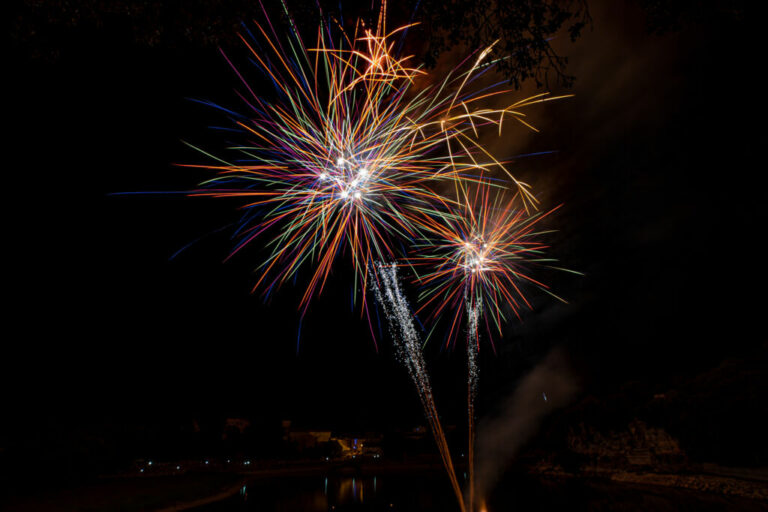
(421, 493)
(351, 490)
(350, 493)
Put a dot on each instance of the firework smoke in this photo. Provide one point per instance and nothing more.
(501, 437)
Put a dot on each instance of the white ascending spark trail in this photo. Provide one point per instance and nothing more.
(386, 289)
(387, 292)
(473, 315)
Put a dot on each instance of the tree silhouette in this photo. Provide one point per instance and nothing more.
(523, 28)
(522, 31)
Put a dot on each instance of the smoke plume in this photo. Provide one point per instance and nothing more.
(547, 387)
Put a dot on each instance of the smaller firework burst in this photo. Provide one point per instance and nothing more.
(478, 261)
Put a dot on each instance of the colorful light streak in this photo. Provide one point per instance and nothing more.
(349, 155)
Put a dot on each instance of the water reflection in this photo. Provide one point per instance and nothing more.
(337, 493)
(352, 490)
(428, 492)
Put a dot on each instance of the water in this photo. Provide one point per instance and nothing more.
(419, 492)
(341, 493)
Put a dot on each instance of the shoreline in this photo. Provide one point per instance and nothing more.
(167, 493)
(724, 485)
(752, 489)
(200, 502)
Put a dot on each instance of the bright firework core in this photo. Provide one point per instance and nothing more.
(475, 255)
(348, 178)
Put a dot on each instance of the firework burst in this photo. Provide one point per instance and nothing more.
(347, 158)
(477, 261)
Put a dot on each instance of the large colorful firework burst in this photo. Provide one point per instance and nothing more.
(348, 155)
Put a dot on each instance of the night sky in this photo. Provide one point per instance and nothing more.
(658, 162)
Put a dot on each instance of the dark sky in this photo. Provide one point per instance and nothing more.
(658, 168)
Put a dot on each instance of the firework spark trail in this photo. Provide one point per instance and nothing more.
(476, 261)
(473, 376)
(386, 289)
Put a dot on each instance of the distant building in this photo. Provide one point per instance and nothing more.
(350, 446)
(234, 426)
(338, 445)
(368, 444)
(306, 439)
(238, 423)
